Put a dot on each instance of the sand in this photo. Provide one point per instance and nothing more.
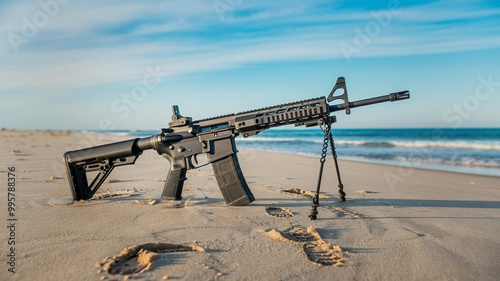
(398, 223)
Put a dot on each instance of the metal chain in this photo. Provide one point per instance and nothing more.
(326, 130)
(325, 143)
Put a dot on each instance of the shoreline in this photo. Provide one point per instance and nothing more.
(445, 168)
(458, 169)
(413, 165)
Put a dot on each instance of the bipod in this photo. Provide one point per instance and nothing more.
(326, 126)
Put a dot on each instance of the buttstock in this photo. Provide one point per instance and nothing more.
(101, 159)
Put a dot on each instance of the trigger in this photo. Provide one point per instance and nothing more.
(190, 161)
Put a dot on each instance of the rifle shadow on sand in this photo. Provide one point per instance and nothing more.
(412, 203)
(345, 208)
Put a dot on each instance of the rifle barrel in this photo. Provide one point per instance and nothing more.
(390, 97)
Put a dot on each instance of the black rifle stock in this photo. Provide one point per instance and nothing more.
(185, 139)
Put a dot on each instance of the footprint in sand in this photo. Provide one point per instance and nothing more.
(279, 212)
(302, 193)
(313, 246)
(140, 258)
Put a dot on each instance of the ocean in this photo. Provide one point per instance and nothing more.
(474, 151)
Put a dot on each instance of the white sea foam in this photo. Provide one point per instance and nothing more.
(474, 145)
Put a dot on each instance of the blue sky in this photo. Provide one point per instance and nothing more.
(122, 64)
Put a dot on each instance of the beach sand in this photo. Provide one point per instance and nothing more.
(398, 223)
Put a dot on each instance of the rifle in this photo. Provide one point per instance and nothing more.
(185, 139)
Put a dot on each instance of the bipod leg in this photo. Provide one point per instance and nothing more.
(314, 210)
(334, 153)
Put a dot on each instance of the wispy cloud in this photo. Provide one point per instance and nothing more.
(92, 43)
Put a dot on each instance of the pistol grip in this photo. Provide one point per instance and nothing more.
(231, 182)
(174, 183)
